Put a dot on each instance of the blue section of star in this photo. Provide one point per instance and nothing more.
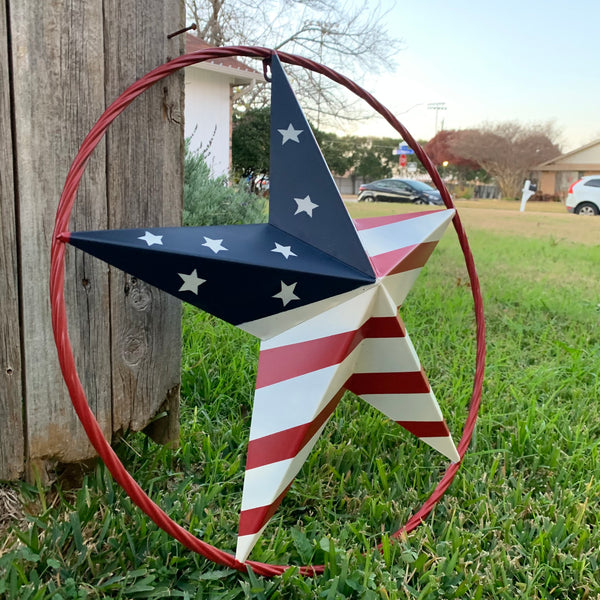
(309, 251)
(304, 200)
(240, 284)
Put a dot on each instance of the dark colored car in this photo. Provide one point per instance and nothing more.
(399, 190)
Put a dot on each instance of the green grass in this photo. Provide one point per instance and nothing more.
(520, 520)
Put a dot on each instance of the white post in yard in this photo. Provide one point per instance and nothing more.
(527, 191)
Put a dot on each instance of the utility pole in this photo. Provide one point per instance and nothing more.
(437, 106)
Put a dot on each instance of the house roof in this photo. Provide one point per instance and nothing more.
(587, 158)
(241, 73)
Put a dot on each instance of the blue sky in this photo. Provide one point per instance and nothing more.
(494, 61)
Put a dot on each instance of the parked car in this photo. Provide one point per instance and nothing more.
(583, 197)
(399, 190)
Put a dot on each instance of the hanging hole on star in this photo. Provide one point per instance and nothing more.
(267, 68)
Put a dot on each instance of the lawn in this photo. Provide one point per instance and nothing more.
(521, 518)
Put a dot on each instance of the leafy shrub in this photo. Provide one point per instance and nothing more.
(211, 201)
(540, 197)
(464, 192)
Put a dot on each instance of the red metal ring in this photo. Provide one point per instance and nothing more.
(59, 316)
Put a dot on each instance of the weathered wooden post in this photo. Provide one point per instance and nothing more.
(60, 66)
(11, 418)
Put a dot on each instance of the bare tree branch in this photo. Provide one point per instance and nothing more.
(347, 37)
(508, 151)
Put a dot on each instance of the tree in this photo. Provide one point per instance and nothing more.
(349, 37)
(374, 158)
(508, 151)
(251, 145)
(370, 158)
(250, 141)
(440, 150)
(339, 152)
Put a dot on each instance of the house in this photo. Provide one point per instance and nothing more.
(556, 175)
(209, 88)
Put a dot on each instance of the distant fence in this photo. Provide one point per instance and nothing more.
(486, 191)
(478, 191)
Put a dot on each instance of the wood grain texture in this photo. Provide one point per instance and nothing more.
(11, 409)
(58, 60)
(145, 188)
(70, 59)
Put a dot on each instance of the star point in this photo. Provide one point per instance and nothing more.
(305, 205)
(286, 295)
(215, 245)
(286, 251)
(151, 239)
(290, 134)
(191, 282)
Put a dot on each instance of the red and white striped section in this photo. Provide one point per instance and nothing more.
(400, 245)
(300, 380)
(361, 345)
(389, 376)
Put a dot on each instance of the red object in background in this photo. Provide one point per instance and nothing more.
(402, 160)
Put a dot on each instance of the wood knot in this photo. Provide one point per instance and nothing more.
(138, 294)
(135, 348)
(140, 298)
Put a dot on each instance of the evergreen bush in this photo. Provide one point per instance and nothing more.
(212, 201)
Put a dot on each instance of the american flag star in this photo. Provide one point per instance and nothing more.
(328, 319)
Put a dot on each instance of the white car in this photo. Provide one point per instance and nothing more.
(583, 197)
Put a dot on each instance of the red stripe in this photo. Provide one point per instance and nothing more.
(409, 382)
(383, 327)
(287, 443)
(371, 222)
(252, 520)
(426, 428)
(384, 263)
(402, 259)
(286, 362)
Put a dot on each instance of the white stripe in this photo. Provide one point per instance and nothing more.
(348, 316)
(386, 238)
(263, 485)
(268, 327)
(444, 445)
(245, 543)
(406, 407)
(298, 400)
(399, 285)
(387, 355)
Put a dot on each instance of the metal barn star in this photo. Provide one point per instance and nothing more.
(321, 292)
